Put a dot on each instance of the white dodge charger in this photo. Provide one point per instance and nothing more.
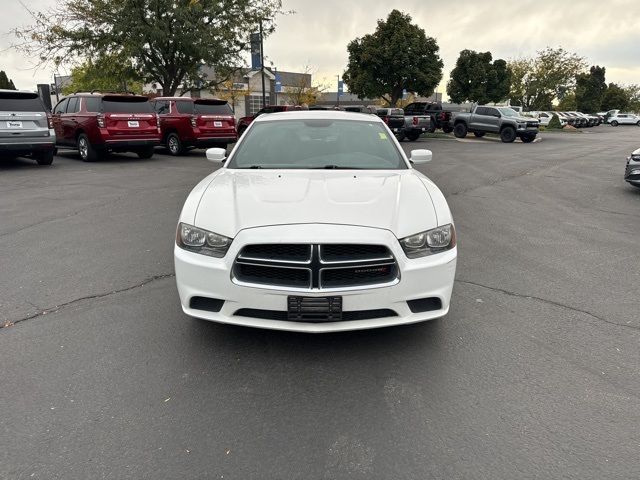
(317, 222)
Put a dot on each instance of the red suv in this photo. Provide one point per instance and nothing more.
(195, 123)
(244, 122)
(95, 123)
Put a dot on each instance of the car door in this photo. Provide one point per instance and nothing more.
(58, 111)
(493, 120)
(70, 120)
(479, 120)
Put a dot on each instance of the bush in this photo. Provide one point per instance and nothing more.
(554, 123)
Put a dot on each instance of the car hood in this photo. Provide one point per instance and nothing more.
(525, 119)
(234, 200)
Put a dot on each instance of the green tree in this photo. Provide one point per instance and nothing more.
(633, 95)
(397, 56)
(568, 103)
(476, 79)
(615, 97)
(167, 41)
(537, 82)
(554, 123)
(107, 73)
(590, 88)
(5, 82)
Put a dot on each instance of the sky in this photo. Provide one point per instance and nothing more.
(317, 34)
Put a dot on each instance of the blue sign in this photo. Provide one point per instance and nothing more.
(256, 58)
(404, 93)
(340, 87)
(278, 83)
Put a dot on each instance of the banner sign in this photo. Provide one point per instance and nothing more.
(255, 51)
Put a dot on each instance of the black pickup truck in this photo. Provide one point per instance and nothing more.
(439, 117)
(394, 118)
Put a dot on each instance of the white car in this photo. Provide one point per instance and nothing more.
(317, 222)
(624, 119)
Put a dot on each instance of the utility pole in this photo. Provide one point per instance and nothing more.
(55, 84)
(264, 95)
(338, 92)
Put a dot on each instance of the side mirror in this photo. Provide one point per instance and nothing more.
(216, 154)
(421, 156)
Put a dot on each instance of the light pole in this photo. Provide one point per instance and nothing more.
(55, 84)
(338, 92)
(264, 95)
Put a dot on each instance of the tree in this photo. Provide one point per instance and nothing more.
(167, 41)
(590, 88)
(568, 103)
(615, 97)
(107, 73)
(633, 95)
(397, 56)
(537, 82)
(476, 79)
(554, 123)
(5, 82)
(229, 91)
(302, 92)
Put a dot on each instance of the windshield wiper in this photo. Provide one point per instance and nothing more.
(336, 167)
(255, 166)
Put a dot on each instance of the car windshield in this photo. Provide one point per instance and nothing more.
(508, 112)
(317, 143)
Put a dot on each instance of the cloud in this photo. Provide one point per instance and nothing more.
(318, 33)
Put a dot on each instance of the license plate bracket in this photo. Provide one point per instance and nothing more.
(314, 309)
(14, 124)
(133, 123)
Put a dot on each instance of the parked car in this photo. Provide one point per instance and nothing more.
(501, 120)
(194, 123)
(360, 109)
(415, 125)
(609, 114)
(26, 128)
(394, 118)
(310, 226)
(632, 172)
(244, 122)
(96, 123)
(439, 118)
(624, 119)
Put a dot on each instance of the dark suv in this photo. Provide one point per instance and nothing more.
(194, 123)
(97, 123)
(25, 127)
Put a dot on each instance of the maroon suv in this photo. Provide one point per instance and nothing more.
(95, 123)
(244, 122)
(195, 123)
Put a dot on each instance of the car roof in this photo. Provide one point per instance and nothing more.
(318, 114)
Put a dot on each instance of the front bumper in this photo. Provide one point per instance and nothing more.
(201, 276)
(632, 173)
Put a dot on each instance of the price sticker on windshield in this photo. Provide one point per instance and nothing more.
(383, 136)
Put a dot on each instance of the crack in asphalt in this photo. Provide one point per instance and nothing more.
(549, 302)
(57, 308)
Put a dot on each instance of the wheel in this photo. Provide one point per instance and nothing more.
(432, 125)
(528, 138)
(508, 134)
(400, 136)
(460, 130)
(241, 130)
(146, 152)
(86, 150)
(413, 136)
(447, 129)
(479, 134)
(614, 123)
(174, 145)
(44, 158)
(638, 123)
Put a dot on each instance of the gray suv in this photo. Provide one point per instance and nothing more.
(504, 121)
(26, 128)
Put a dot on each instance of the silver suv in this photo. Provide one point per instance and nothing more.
(26, 128)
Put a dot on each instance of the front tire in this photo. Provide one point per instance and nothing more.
(87, 152)
(400, 136)
(44, 158)
(460, 130)
(508, 135)
(614, 123)
(638, 123)
(174, 145)
(432, 125)
(413, 136)
(527, 138)
(145, 153)
(479, 134)
(241, 130)
(447, 129)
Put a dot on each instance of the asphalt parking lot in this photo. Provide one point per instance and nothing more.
(535, 372)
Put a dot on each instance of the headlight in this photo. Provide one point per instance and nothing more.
(432, 241)
(202, 241)
(635, 158)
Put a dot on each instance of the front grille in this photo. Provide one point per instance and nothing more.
(273, 275)
(346, 316)
(532, 124)
(315, 266)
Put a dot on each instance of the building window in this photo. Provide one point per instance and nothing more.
(253, 104)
